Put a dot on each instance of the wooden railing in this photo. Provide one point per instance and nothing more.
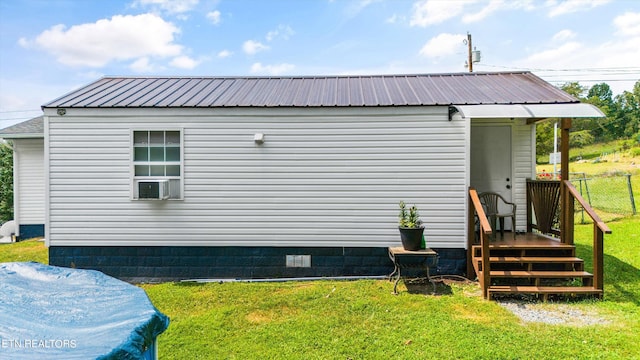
(475, 208)
(599, 229)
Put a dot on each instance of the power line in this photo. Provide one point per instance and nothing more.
(591, 80)
(625, 69)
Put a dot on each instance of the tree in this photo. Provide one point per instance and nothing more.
(629, 111)
(544, 129)
(580, 138)
(544, 137)
(622, 117)
(6, 182)
(601, 96)
(574, 89)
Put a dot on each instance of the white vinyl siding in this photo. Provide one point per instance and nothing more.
(29, 181)
(524, 148)
(323, 177)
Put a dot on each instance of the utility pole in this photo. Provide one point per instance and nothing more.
(473, 55)
(469, 57)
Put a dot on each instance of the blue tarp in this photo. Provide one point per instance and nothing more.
(49, 312)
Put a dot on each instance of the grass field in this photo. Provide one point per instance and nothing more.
(31, 250)
(609, 152)
(363, 320)
(608, 189)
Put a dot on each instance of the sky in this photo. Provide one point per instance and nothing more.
(50, 47)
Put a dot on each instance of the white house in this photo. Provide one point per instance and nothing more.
(244, 177)
(27, 139)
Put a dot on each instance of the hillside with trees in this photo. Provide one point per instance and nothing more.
(622, 120)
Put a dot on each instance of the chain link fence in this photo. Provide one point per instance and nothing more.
(612, 195)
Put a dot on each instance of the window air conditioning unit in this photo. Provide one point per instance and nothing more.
(153, 189)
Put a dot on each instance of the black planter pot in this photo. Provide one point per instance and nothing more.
(411, 238)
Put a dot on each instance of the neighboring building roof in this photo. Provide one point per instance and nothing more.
(33, 128)
(314, 91)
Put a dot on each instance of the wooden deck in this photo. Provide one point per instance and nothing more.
(534, 264)
(526, 240)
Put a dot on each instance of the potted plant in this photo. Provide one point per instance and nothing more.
(411, 228)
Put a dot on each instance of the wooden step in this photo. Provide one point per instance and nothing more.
(528, 246)
(539, 274)
(503, 262)
(534, 259)
(544, 290)
(526, 249)
(523, 245)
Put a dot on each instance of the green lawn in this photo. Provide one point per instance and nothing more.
(30, 250)
(609, 151)
(608, 188)
(363, 320)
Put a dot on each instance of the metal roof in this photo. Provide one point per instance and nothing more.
(33, 128)
(314, 91)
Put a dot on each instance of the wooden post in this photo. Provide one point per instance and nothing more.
(598, 257)
(529, 209)
(471, 235)
(566, 202)
(486, 265)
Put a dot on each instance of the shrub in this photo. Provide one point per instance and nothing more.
(580, 138)
(6, 182)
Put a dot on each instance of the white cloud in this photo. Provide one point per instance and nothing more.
(170, 6)
(355, 7)
(214, 17)
(570, 6)
(184, 62)
(628, 24)
(92, 75)
(24, 43)
(252, 47)
(527, 5)
(617, 53)
(431, 12)
(563, 35)
(278, 69)
(282, 31)
(142, 65)
(119, 38)
(565, 51)
(394, 19)
(225, 54)
(493, 6)
(442, 45)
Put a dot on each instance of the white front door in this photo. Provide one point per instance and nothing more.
(491, 161)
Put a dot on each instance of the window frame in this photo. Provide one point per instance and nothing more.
(135, 179)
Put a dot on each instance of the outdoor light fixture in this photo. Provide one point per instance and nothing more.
(258, 138)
